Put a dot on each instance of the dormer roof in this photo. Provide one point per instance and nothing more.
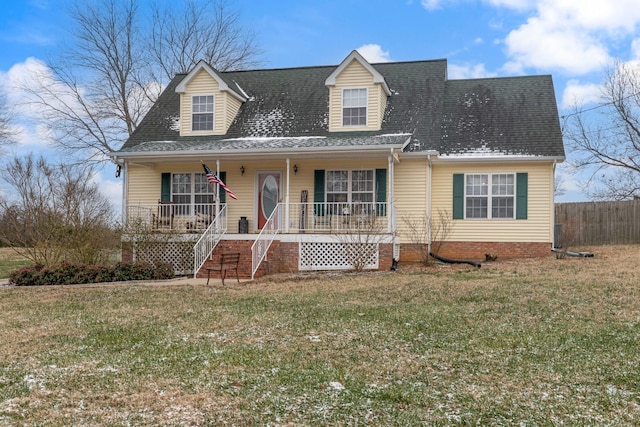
(203, 66)
(355, 56)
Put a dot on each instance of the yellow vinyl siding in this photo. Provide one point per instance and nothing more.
(225, 106)
(536, 228)
(232, 106)
(144, 185)
(410, 193)
(382, 105)
(356, 76)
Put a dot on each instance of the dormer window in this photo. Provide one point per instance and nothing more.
(202, 113)
(354, 107)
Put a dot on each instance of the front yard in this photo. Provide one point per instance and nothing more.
(533, 342)
(9, 261)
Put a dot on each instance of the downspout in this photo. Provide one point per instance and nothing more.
(429, 188)
(286, 198)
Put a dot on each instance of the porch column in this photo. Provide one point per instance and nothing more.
(286, 198)
(390, 216)
(217, 194)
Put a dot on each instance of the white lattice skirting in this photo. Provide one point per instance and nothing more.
(179, 254)
(337, 256)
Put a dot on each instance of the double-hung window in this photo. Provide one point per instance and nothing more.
(202, 113)
(490, 196)
(191, 194)
(349, 189)
(354, 107)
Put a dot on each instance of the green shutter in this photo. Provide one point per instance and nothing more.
(381, 192)
(223, 194)
(522, 184)
(318, 191)
(458, 196)
(165, 187)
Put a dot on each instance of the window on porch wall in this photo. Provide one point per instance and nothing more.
(191, 193)
(345, 190)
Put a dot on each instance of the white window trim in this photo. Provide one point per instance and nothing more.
(366, 107)
(213, 113)
(350, 184)
(490, 196)
(191, 211)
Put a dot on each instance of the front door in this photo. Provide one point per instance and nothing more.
(268, 195)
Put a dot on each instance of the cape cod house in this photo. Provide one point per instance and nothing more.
(328, 159)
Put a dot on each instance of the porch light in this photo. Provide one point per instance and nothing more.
(242, 170)
(295, 169)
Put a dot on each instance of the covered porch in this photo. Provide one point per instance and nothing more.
(312, 236)
(319, 196)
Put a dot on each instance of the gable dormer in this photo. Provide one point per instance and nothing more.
(208, 104)
(357, 96)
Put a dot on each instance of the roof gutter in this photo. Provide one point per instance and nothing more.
(492, 159)
(359, 150)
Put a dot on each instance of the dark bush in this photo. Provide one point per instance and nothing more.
(26, 276)
(77, 273)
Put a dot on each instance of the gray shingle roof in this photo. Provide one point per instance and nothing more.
(288, 109)
(514, 116)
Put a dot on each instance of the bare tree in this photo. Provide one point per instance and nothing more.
(6, 134)
(606, 138)
(428, 234)
(94, 96)
(207, 30)
(57, 213)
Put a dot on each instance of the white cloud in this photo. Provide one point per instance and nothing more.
(111, 189)
(25, 79)
(635, 49)
(569, 35)
(468, 71)
(576, 94)
(513, 4)
(431, 4)
(373, 53)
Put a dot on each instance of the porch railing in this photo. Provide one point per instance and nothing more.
(261, 246)
(209, 239)
(168, 216)
(338, 217)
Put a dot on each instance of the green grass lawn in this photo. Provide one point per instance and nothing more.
(534, 342)
(10, 261)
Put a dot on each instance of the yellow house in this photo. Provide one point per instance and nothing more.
(353, 166)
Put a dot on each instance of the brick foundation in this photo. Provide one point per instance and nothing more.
(282, 258)
(477, 250)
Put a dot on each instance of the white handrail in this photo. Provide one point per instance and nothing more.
(209, 239)
(265, 238)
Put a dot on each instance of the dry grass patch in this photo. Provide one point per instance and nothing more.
(525, 342)
(9, 261)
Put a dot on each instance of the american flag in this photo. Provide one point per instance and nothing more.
(213, 179)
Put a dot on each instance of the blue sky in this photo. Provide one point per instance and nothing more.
(573, 40)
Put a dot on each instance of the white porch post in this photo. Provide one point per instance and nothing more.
(390, 217)
(286, 200)
(217, 193)
(429, 188)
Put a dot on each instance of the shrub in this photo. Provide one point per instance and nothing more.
(77, 273)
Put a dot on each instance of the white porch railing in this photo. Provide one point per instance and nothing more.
(168, 216)
(261, 246)
(338, 217)
(209, 239)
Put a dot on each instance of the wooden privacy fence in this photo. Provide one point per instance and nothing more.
(597, 223)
